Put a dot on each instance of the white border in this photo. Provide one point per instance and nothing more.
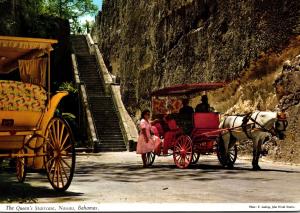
(146, 207)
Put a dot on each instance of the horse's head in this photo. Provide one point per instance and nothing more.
(275, 122)
(281, 125)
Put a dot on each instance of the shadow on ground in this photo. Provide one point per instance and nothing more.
(13, 192)
(205, 171)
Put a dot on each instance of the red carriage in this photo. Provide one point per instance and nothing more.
(203, 132)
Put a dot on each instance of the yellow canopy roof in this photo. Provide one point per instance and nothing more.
(14, 48)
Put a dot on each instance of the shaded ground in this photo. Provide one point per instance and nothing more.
(12, 191)
(119, 177)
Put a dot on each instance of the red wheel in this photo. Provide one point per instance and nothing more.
(183, 151)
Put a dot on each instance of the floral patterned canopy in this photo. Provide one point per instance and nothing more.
(165, 105)
(19, 96)
(168, 100)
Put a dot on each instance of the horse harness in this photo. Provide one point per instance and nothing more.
(244, 125)
(255, 124)
(248, 118)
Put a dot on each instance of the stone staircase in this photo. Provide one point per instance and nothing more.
(101, 106)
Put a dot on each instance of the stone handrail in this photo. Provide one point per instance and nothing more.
(90, 120)
(106, 76)
(127, 125)
(90, 43)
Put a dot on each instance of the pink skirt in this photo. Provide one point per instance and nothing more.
(144, 147)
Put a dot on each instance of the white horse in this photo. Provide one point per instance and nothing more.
(258, 126)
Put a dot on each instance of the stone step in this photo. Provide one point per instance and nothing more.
(102, 106)
(110, 149)
(104, 143)
(112, 137)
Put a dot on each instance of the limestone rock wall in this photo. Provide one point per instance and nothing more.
(152, 44)
(288, 91)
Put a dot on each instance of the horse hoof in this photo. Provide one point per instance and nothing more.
(256, 168)
(230, 166)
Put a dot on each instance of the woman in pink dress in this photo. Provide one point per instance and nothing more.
(147, 142)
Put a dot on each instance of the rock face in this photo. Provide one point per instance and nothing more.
(288, 90)
(152, 44)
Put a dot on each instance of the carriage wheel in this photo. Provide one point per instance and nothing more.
(228, 160)
(183, 151)
(232, 155)
(150, 157)
(221, 152)
(21, 166)
(60, 154)
(196, 156)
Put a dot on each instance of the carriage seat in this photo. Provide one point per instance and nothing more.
(205, 128)
(205, 122)
(19, 96)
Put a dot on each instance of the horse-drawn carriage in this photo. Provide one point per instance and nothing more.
(30, 131)
(187, 146)
(207, 134)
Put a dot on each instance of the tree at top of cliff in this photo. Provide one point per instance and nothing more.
(69, 9)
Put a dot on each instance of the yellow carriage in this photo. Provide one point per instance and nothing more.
(30, 131)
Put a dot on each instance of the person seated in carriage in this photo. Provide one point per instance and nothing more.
(204, 105)
(186, 110)
(185, 116)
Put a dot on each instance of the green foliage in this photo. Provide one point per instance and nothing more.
(69, 87)
(72, 10)
(66, 9)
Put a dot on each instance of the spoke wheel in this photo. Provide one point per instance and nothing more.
(232, 155)
(229, 158)
(195, 159)
(150, 157)
(183, 151)
(21, 166)
(221, 152)
(60, 154)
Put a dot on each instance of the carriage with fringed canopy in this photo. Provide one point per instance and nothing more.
(30, 130)
(186, 139)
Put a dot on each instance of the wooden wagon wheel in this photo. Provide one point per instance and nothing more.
(60, 154)
(150, 157)
(232, 155)
(21, 166)
(183, 151)
(228, 160)
(196, 156)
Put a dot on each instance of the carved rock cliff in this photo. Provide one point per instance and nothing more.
(153, 44)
